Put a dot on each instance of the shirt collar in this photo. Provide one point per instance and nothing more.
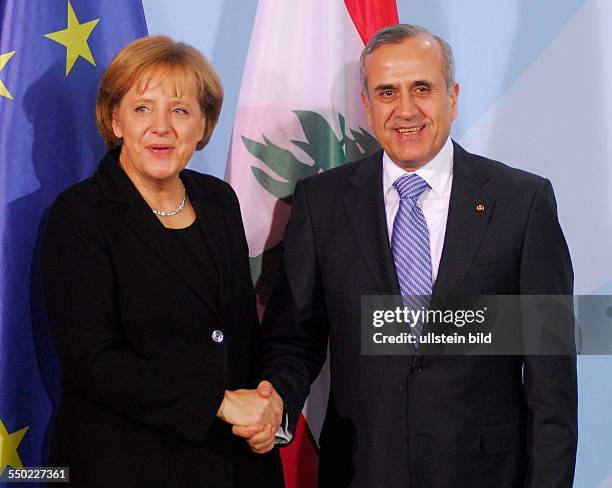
(436, 173)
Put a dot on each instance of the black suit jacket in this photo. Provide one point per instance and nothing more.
(432, 421)
(133, 321)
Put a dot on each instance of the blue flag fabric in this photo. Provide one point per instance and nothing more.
(52, 56)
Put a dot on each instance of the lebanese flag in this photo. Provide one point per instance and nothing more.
(299, 113)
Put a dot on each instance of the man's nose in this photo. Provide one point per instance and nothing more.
(406, 107)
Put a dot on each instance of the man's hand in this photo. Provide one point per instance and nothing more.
(261, 437)
(252, 408)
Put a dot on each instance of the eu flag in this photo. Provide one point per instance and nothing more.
(52, 56)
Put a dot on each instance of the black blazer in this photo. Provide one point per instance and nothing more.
(133, 321)
(428, 421)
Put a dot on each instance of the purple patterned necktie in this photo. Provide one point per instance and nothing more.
(410, 245)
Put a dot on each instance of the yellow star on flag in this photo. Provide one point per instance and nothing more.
(4, 58)
(8, 447)
(74, 37)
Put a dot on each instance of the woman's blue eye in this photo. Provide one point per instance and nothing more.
(142, 108)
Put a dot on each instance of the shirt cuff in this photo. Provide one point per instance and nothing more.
(283, 435)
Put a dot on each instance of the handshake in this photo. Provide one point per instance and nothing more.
(255, 415)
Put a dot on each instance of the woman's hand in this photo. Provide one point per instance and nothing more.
(255, 415)
(252, 409)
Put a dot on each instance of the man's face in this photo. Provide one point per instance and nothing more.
(408, 104)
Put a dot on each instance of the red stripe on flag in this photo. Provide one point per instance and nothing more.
(301, 458)
(371, 15)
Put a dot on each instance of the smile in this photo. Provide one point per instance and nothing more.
(410, 130)
(160, 148)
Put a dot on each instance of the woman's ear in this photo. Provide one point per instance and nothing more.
(116, 125)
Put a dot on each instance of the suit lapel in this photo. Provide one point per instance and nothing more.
(469, 211)
(168, 249)
(211, 218)
(116, 186)
(365, 209)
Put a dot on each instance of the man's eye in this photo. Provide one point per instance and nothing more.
(387, 93)
(422, 89)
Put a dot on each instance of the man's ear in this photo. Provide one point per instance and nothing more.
(454, 96)
(366, 105)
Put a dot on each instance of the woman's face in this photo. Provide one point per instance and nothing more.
(160, 122)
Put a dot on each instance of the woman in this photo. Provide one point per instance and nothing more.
(149, 294)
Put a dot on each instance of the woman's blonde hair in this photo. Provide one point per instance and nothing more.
(146, 56)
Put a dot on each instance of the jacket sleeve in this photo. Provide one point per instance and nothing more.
(99, 363)
(549, 381)
(293, 343)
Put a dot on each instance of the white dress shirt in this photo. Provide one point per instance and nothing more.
(438, 173)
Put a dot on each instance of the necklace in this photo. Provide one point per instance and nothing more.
(177, 210)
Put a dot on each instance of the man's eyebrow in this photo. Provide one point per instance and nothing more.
(384, 87)
(426, 83)
(390, 86)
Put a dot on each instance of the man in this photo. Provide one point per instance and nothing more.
(472, 227)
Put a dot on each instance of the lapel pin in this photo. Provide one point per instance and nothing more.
(480, 207)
